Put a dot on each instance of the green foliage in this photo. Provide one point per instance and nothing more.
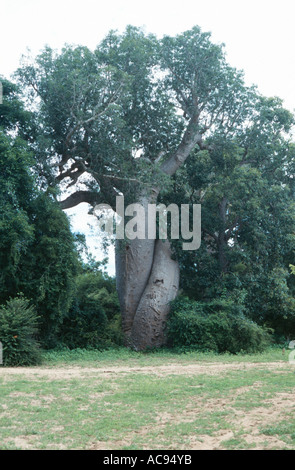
(245, 184)
(93, 320)
(218, 326)
(270, 301)
(13, 115)
(16, 192)
(18, 330)
(37, 250)
(134, 95)
(49, 266)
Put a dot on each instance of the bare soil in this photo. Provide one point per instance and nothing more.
(177, 369)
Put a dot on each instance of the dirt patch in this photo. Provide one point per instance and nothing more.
(262, 442)
(246, 424)
(249, 422)
(21, 442)
(60, 373)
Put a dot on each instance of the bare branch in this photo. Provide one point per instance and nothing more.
(73, 172)
(127, 180)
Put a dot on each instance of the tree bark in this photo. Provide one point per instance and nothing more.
(134, 260)
(149, 324)
(147, 280)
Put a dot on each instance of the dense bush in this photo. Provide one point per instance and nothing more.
(18, 329)
(94, 317)
(271, 301)
(218, 326)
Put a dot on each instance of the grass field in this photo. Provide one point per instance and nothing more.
(119, 399)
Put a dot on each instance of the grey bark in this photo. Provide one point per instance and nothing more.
(149, 324)
(147, 280)
(134, 261)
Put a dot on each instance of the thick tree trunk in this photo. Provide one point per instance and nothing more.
(134, 260)
(147, 281)
(148, 329)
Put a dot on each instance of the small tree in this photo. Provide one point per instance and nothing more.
(18, 330)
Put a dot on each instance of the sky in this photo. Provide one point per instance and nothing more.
(259, 38)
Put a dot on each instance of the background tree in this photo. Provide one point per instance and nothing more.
(38, 255)
(245, 185)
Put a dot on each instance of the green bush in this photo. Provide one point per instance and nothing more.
(218, 326)
(18, 329)
(93, 320)
(85, 324)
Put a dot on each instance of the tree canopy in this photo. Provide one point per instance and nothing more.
(130, 113)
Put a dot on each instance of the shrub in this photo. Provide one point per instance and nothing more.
(93, 320)
(18, 329)
(84, 326)
(218, 326)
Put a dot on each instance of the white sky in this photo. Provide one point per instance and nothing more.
(259, 35)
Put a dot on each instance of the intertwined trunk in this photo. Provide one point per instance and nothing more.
(147, 281)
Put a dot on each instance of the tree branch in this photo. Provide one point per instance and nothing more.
(210, 234)
(78, 197)
(191, 138)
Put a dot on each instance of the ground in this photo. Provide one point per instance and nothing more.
(152, 401)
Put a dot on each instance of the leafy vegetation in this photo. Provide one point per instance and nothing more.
(38, 255)
(218, 326)
(245, 185)
(18, 327)
(93, 320)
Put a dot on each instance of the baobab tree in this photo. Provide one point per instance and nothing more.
(122, 120)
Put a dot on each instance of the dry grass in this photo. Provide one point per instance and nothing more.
(149, 404)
